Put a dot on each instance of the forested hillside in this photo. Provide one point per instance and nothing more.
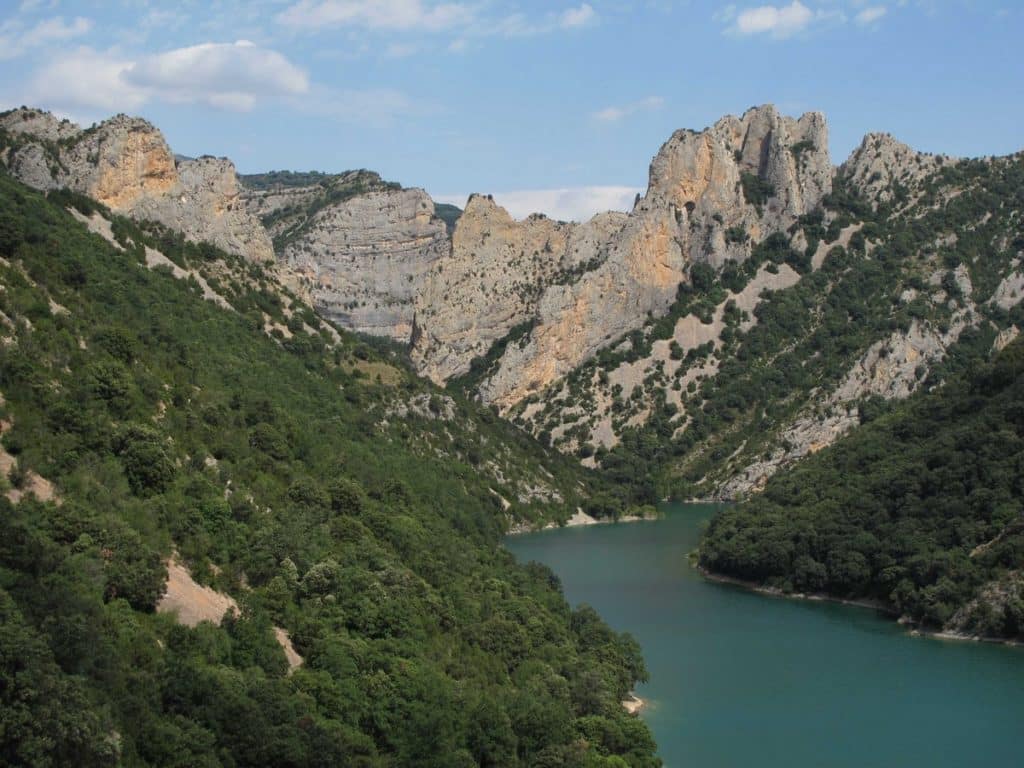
(304, 473)
(903, 275)
(922, 509)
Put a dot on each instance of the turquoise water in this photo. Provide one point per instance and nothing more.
(740, 679)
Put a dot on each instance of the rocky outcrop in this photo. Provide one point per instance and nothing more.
(501, 268)
(995, 604)
(758, 172)
(380, 262)
(712, 195)
(375, 258)
(1010, 290)
(38, 124)
(285, 201)
(882, 168)
(366, 259)
(125, 163)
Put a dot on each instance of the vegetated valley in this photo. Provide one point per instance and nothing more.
(194, 411)
(314, 403)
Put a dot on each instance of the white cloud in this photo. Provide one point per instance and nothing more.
(224, 75)
(232, 76)
(784, 21)
(566, 204)
(779, 22)
(614, 114)
(577, 17)
(85, 79)
(377, 14)
(869, 15)
(16, 41)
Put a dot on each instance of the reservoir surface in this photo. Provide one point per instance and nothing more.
(742, 679)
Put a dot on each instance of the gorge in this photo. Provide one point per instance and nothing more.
(325, 399)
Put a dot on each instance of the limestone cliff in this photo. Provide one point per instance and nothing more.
(125, 163)
(912, 265)
(712, 195)
(499, 269)
(578, 331)
(366, 259)
(376, 259)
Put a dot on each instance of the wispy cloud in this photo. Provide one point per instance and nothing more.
(616, 113)
(869, 15)
(422, 16)
(16, 39)
(377, 14)
(521, 25)
(565, 204)
(577, 17)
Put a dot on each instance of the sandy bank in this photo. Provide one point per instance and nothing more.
(633, 703)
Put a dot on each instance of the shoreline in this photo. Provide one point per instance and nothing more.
(821, 597)
(913, 630)
(578, 520)
(581, 518)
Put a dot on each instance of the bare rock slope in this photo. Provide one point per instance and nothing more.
(712, 195)
(125, 163)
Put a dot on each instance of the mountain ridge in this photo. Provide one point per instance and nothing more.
(519, 312)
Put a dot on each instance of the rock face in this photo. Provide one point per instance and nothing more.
(125, 164)
(712, 195)
(367, 259)
(381, 262)
(376, 259)
(501, 268)
(881, 166)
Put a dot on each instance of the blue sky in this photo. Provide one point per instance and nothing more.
(556, 105)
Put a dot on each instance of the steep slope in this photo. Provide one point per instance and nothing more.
(125, 164)
(712, 196)
(909, 268)
(753, 307)
(366, 259)
(377, 259)
(177, 399)
(920, 510)
(499, 270)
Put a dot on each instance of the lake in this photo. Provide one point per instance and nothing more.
(742, 679)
